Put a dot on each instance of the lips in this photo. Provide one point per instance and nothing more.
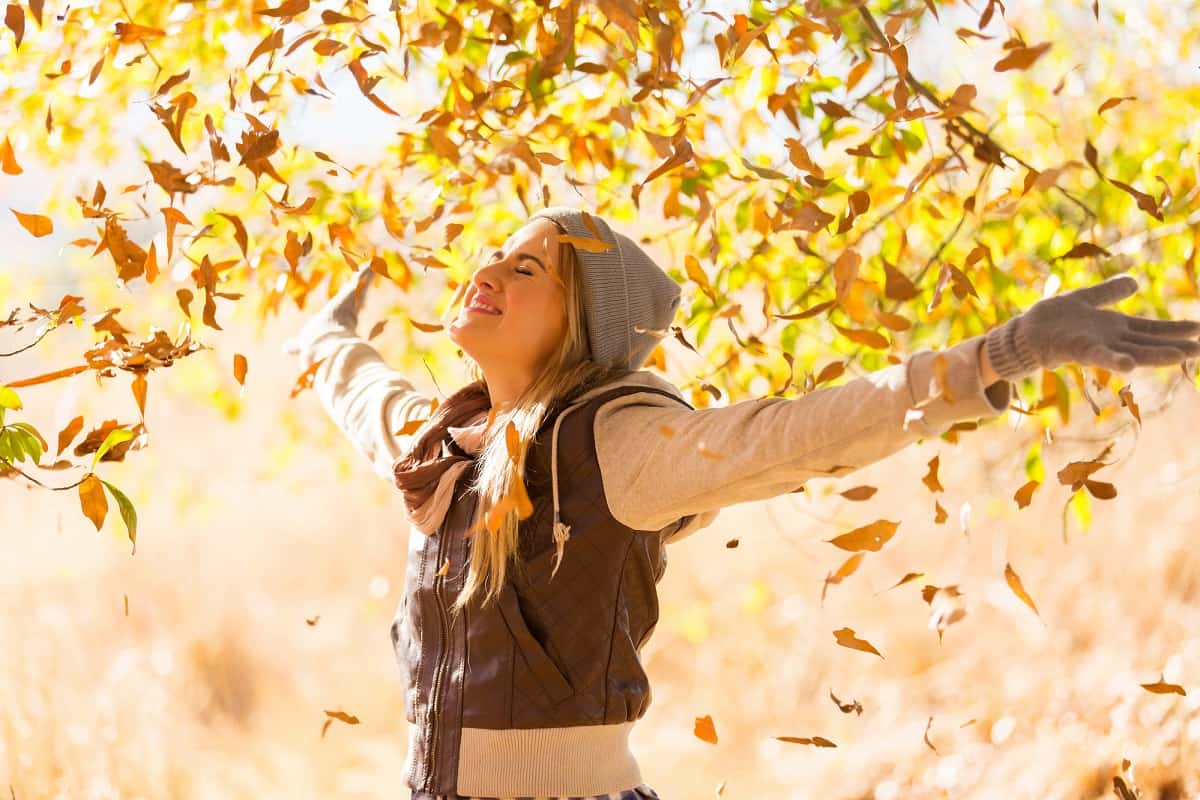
(483, 306)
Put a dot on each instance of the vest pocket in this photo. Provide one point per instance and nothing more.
(536, 657)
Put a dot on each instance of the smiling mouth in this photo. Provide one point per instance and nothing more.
(482, 309)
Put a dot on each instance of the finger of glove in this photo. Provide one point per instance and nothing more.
(1189, 347)
(1152, 356)
(1100, 355)
(1164, 327)
(1109, 291)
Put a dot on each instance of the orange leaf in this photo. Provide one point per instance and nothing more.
(705, 730)
(1024, 495)
(1112, 101)
(1014, 583)
(1161, 687)
(912, 576)
(306, 378)
(8, 160)
(239, 368)
(1022, 57)
(846, 638)
(68, 433)
(425, 326)
(36, 224)
(869, 537)
(585, 243)
(92, 500)
(139, 392)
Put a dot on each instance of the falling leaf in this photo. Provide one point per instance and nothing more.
(1101, 490)
(909, 578)
(1021, 57)
(928, 743)
(8, 159)
(68, 433)
(310, 621)
(1162, 687)
(1110, 102)
(816, 741)
(731, 544)
(931, 477)
(945, 607)
(36, 224)
(1126, 395)
(1014, 583)
(425, 326)
(239, 368)
(91, 499)
(306, 378)
(1024, 495)
(846, 638)
(853, 707)
(705, 730)
(1085, 250)
(859, 493)
(869, 537)
(844, 571)
(14, 18)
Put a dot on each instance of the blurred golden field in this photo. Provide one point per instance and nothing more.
(259, 518)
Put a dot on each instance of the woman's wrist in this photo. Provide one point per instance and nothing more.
(987, 374)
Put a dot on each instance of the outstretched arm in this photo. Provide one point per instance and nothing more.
(661, 461)
(367, 400)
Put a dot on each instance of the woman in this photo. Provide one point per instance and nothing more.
(541, 496)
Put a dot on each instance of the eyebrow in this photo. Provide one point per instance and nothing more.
(500, 252)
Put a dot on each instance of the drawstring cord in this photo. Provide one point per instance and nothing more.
(562, 531)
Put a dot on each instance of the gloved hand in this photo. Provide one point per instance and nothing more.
(1071, 328)
(342, 309)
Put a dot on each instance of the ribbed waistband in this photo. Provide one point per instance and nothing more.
(546, 762)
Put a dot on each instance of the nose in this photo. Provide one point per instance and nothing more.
(487, 277)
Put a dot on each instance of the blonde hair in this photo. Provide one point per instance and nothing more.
(568, 369)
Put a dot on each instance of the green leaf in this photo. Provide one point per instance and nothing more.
(128, 514)
(8, 451)
(114, 438)
(30, 439)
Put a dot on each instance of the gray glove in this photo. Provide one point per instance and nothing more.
(342, 309)
(1071, 328)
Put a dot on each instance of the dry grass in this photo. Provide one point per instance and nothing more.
(214, 685)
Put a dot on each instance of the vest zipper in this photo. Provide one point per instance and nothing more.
(433, 712)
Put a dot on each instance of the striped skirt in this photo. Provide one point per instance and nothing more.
(642, 792)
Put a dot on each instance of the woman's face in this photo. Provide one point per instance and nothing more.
(527, 315)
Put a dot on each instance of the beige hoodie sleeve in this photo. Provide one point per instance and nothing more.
(367, 399)
(661, 461)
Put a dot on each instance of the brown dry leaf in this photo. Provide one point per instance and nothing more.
(1021, 57)
(1126, 395)
(1014, 583)
(8, 159)
(928, 743)
(1162, 687)
(869, 537)
(1024, 495)
(1085, 250)
(239, 368)
(68, 433)
(14, 18)
(47, 377)
(1112, 101)
(310, 621)
(865, 337)
(705, 730)
(731, 544)
(92, 500)
(931, 477)
(425, 326)
(853, 706)
(859, 493)
(847, 638)
(844, 571)
(946, 607)
(37, 224)
(289, 8)
(1101, 490)
(816, 741)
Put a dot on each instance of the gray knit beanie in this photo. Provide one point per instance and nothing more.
(623, 291)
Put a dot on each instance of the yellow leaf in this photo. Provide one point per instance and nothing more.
(36, 224)
(846, 638)
(1014, 583)
(92, 500)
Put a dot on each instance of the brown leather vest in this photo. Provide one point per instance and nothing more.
(547, 653)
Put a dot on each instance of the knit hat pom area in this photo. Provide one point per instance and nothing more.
(629, 300)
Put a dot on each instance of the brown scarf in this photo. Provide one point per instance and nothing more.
(427, 473)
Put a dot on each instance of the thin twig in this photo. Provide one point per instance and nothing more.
(29, 477)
